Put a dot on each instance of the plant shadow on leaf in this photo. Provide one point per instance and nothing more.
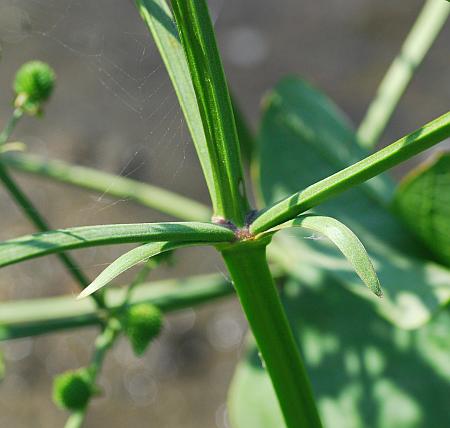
(365, 372)
(304, 138)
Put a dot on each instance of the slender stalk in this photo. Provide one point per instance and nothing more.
(32, 213)
(145, 194)
(213, 99)
(103, 344)
(10, 125)
(403, 149)
(422, 35)
(40, 316)
(257, 293)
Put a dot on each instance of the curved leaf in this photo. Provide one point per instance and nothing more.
(347, 242)
(423, 201)
(128, 260)
(304, 138)
(40, 244)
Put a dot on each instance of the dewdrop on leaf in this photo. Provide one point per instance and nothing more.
(143, 323)
(33, 85)
(72, 390)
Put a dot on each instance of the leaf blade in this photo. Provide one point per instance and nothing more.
(344, 239)
(127, 261)
(422, 201)
(41, 244)
(158, 17)
(301, 125)
(210, 86)
(367, 168)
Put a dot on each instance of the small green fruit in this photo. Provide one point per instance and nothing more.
(33, 84)
(72, 390)
(143, 323)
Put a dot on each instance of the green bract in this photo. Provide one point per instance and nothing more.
(33, 85)
(72, 390)
(143, 323)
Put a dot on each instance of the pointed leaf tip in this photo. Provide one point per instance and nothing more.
(346, 241)
(130, 259)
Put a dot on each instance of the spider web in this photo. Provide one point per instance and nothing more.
(114, 98)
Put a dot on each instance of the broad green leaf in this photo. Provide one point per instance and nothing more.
(423, 202)
(128, 260)
(158, 17)
(40, 244)
(347, 242)
(305, 138)
(109, 184)
(210, 86)
(365, 372)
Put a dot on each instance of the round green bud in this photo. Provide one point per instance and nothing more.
(33, 84)
(143, 322)
(72, 390)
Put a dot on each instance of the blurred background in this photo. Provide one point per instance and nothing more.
(114, 109)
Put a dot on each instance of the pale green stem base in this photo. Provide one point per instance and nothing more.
(257, 293)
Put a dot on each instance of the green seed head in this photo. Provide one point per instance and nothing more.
(72, 390)
(143, 323)
(33, 85)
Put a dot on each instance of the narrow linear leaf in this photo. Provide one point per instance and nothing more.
(210, 86)
(130, 259)
(347, 242)
(403, 149)
(302, 126)
(423, 201)
(158, 17)
(55, 241)
(109, 184)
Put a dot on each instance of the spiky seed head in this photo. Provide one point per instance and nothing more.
(143, 322)
(72, 390)
(33, 85)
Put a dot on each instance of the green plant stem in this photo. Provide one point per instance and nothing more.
(422, 35)
(257, 293)
(109, 184)
(10, 126)
(213, 99)
(46, 315)
(32, 213)
(403, 149)
(104, 342)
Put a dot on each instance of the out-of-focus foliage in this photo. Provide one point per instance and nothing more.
(365, 371)
(423, 201)
(304, 138)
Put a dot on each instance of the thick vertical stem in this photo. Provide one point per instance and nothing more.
(257, 293)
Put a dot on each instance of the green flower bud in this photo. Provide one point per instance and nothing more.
(72, 390)
(143, 323)
(33, 85)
